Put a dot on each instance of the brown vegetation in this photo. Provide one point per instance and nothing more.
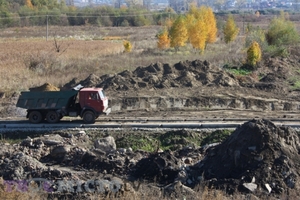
(29, 62)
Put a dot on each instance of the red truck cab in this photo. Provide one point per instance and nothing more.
(93, 99)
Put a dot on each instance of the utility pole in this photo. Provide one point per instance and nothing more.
(47, 28)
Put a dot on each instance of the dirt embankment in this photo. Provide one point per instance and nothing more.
(198, 85)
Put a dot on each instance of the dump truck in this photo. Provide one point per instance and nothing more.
(88, 103)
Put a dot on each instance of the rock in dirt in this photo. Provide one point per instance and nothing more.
(60, 151)
(106, 144)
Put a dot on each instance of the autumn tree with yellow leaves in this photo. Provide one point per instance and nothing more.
(127, 46)
(198, 26)
(253, 54)
(210, 23)
(197, 33)
(163, 39)
(202, 28)
(28, 3)
(230, 30)
(178, 33)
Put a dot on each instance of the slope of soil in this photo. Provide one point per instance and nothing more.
(194, 85)
(259, 153)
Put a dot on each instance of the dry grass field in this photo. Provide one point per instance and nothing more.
(26, 62)
(27, 59)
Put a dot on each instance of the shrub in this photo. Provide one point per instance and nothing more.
(282, 32)
(253, 54)
(125, 23)
(127, 46)
(230, 30)
(163, 40)
(257, 35)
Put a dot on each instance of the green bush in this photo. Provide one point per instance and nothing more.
(257, 35)
(5, 20)
(276, 51)
(282, 32)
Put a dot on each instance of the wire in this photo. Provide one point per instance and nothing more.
(86, 16)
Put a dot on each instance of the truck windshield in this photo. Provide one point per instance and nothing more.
(102, 95)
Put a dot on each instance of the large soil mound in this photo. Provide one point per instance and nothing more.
(183, 74)
(257, 156)
(191, 78)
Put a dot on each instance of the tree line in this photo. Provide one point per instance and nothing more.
(199, 28)
(36, 12)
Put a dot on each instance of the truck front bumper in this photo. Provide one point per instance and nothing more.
(107, 111)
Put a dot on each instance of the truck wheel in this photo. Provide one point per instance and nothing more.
(35, 117)
(52, 117)
(89, 117)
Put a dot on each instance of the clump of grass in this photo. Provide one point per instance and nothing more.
(151, 142)
(113, 38)
(138, 142)
(239, 71)
(216, 136)
(177, 139)
(296, 85)
(15, 193)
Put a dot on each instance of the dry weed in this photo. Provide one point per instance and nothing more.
(14, 192)
(29, 62)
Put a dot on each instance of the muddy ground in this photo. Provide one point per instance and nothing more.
(258, 159)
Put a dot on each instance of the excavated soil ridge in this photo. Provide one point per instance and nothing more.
(257, 156)
(194, 84)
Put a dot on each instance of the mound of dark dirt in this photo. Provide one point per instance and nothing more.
(183, 74)
(91, 81)
(257, 156)
(161, 167)
(190, 75)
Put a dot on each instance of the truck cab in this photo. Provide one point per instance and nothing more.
(93, 100)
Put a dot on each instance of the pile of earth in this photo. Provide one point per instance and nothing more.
(187, 74)
(44, 87)
(64, 160)
(187, 79)
(258, 156)
(161, 76)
